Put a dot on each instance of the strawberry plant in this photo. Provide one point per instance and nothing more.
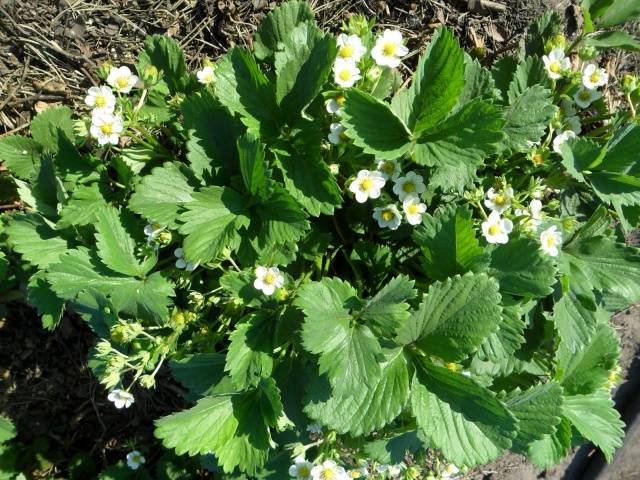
(346, 269)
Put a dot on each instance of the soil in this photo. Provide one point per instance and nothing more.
(49, 52)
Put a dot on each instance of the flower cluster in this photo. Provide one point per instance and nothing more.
(408, 188)
(496, 228)
(302, 469)
(106, 124)
(350, 62)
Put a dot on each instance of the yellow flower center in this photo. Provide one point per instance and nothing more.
(494, 229)
(355, 474)
(106, 128)
(327, 474)
(594, 77)
(366, 184)
(344, 75)
(537, 159)
(346, 51)
(409, 187)
(412, 209)
(269, 278)
(122, 82)
(550, 241)
(304, 471)
(208, 77)
(387, 215)
(388, 168)
(101, 101)
(555, 66)
(389, 49)
(452, 366)
(499, 200)
(340, 100)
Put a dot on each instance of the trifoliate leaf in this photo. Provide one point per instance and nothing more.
(210, 127)
(308, 180)
(529, 73)
(373, 126)
(277, 26)
(387, 309)
(587, 369)
(538, 411)
(455, 316)
(522, 268)
(21, 155)
(115, 247)
(43, 298)
(49, 125)
(80, 269)
(35, 238)
(539, 31)
(362, 412)
(252, 164)
(235, 428)
(200, 373)
(302, 67)
(527, 118)
(456, 415)
(595, 417)
(349, 352)
(478, 82)
(278, 220)
(449, 243)
(457, 145)
(436, 85)
(551, 448)
(211, 222)
(159, 195)
(166, 55)
(500, 346)
(576, 317)
(243, 88)
(82, 207)
(7, 429)
(249, 357)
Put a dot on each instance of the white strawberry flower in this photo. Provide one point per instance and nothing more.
(100, 99)
(135, 459)
(367, 185)
(301, 469)
(362, 472)
(550, 240)
(121, 398)
(584, 97)
(413, 209)
(411, 183)
(268, 279)
(387, 217)
(106, 128)
(350, 47)
(533, 215)
(562, 138)
(450, 471)
(181, 263)
(594, 77)
(556, 63)
(334, 105)
(346, 73)
(389, 169)
(336, 133)
(122, 79)
(395, 470)
(329, 470)
(496, 229)
(499, 201)
(389, 49)
(206, 75)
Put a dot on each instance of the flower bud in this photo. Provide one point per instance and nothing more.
(148, 381)
(150, 76)
(587, 53)
(165, 237)
(358, 25)
(103, 348)
(373, 74)
(196, 300)
(334, 168)
(568, 223)
(104, 70)
(629, 83)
